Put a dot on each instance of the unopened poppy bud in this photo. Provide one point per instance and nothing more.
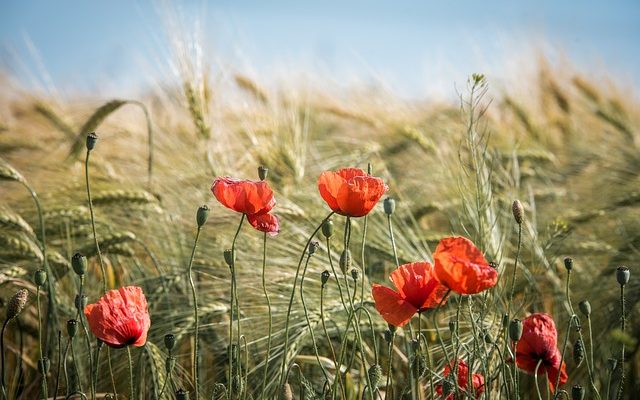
(169, 341)
(17, 303)
(72, 328)
(92, 138)
(375, 374)
(345, 261)
(515, 329)
(577, 392)
(505, 320)
(202, 215)
(40, 277)
(355, 274)
(389, 205)
(518, 211)
(388, 335)
(237, 383)
(313, 246)
(80, 302)
(568, 263)
(228, 257)
(181, 394)
(263, 172)
(287, 393)
(622, 275)
(327, 228)
(43, 365)
(324, 277)
(612, 363)
(79, 264)
(578, 352)
(585, 308)
(452, 326)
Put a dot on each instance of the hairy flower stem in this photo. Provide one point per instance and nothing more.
(4, 326)
(75, 365)
(435, 323)
(362, 257)
(113, 380)
(195, 366)
(389, 384)
(266, 296)
(64, 365)
(44, 375)
(93, 223)
(97, 366)
(338, 379)
(326, 332)
(234, 303)
(293, 290)
(515, 270)
(132, 392)
(623, 323)
(516, 374)
(55, 391)
(393, 241)
(80, 316)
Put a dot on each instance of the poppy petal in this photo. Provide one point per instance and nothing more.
(391, 306)
(267, 223)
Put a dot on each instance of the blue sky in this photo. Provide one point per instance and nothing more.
(416, 47)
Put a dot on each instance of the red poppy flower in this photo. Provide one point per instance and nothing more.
(244, 196)
(539, 341)
(418, 290)
(267, 223)
(351, 191)
(477, 380)
(461, 267)
(120, 318)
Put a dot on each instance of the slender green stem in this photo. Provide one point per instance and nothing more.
(131, 387)
(515, 270)
(418, 334)
(363, 263)
(610, 375)
(326, 332)
(516, 374)
(393, 241)
(430, 366)
(266, 296)
(535, 377)
(64, 364)
(93, 223)
(623, 323)
(195, 367)
(234, 307)
(113, 380)
(97, 365)
(285, 347)
(435, 323)
(564, 347)
(55, 391)
(338, 379)
(80, 316)
(389, 384)
(44, 375)
(4, 326)
(75, 365)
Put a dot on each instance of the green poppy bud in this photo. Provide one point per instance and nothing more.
(622, 275)
(324, 277)
(72, 328)
(228, 258)
(389, 205)
(263, 172)
(79, 264)
(345, 261)
(515, 329)
(355, 274)
(585, 308)
(92, 138)
(375, 374)
(40, 277)
(169, 341)
(313, 246)
(327, 228)
(202, 215)
(568, 263)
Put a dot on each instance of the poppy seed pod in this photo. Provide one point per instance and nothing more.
(345, 261)
(202, 215)
(79, 264)
(375, 374)
(577, 392)
(389, 205)
(327, 228)
(355, 274)
(515, 329)
(518, 211)
(568, 263)
(324, 277)
(43, 365)
(263, 172)
(169, 341)
(40, 277)
(313, 246)
(622, 275)
(17, 303)
(181, 394)
(80, 302)
(92, 139)
(585, 308)
(72, 328)
(228, 257)
(578, 352)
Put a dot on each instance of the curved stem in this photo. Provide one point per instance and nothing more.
(75, 365)
(393, 241)
(113, 380)
(622, 326)
(435, 323)
(535, 376)
(266, 295)
(516, 374)
(4, 326)
(93, 223)
(326, 332)
(131, 388)
(195, 369)
(97, 366)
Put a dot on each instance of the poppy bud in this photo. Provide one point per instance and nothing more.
(518, 211)
(263, 172)
(313, 246)
(72, 328)
(515, 329)
(389, 205)
(237, 383)
(202, 215)
(577, 392)
(585, 308)
(578, 352)
(79, 264)
(17, 303)
(80, 302)
(287, 393)
(327, 228)
(324, 277)
(355, 274)
(452, 325)
(375, 374)
(181, 394)
(568, 263)
(169, 341)
(388, 335)
(228, 257)
(40, 277)
(43, 365)
(92, 138)
(345, 261)
(622, 275)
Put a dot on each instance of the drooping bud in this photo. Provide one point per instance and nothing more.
(324, 277)
(578, 352)
(228, 258)
(72, 328)
(389, 205)
(287, 393)
(345, 261)
(92, 138)
(355, 274)
(577, 392)
(169, 341)
(181, 394)
(202, 215)
(585, 308)
(17, 303)
(40, 277)
(515, 329)
(518, 211)
(79, 264)
(80, 302)
(327, 228)
(568, 263)
(622, 275)
(375, 374)
(263, 172)
(313, 246)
